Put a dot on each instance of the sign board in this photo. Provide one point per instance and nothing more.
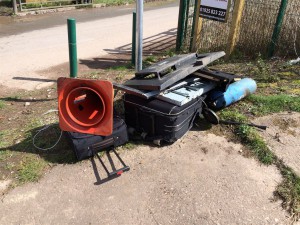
(214, 9)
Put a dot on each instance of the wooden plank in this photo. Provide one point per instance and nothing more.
(235, 26)
(197, 30)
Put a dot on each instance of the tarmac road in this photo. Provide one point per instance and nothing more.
(35, 43)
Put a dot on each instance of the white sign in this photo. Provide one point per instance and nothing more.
(214, 9)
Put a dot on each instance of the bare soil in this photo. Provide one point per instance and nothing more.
(282, 136)
(201, 179)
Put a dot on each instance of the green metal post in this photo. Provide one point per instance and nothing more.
(14, 2)
(194, 25)
(72, 47)
(186, 20)
(277, 27)
(133, 38)
(181, 24)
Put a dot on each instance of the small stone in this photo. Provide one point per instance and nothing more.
(48, 96)
(27, 104)
(240, 151)
(9, 119)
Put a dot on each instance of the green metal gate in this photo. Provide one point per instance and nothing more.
(186, 24)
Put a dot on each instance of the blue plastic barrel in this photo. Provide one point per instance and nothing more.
(235, 92)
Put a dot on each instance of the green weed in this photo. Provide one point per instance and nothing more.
(30, 169)
(120, 76)
(113, 2)
(4, 154)
(46, 4)
(121, 67)
(256, 144)
(263, 105)
(149, 61)
(170, 52)
(2, 104)
(9, 166)
(249, 136)
(129, 146)
(7, 137)
(94, 75)
(296, 82)
(262, 71)
(232, 115)
(289, 190)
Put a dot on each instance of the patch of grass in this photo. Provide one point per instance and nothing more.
(34, 123)
(121, 67)
(2, 104)
(94, 75)
(149, 60)
(30, 169)
(6, 8)
(170, 52)
(122, 71)
(10, 166)
(46, 4)
(4, 154)
(289, 190)
(261, 70)
(46, 138)
(232, 115)
(256, 144)
(296, 82)
(129, 146)
(119, 77)
(113, 2)
(263, 85)
(7, 138)
(286, 74)
(263, 105)
(3, 142)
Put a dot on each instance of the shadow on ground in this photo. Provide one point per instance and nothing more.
(34, 79)
(53, 145)
(155, 44)
(16, 99)
(44, 139)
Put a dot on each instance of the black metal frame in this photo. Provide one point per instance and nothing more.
(165, 73)
(110, 175)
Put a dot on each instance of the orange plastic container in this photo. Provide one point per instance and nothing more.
(85, 106)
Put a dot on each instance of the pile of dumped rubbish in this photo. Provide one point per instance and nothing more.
(161, 104)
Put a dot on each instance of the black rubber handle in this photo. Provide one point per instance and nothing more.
(238, 123)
